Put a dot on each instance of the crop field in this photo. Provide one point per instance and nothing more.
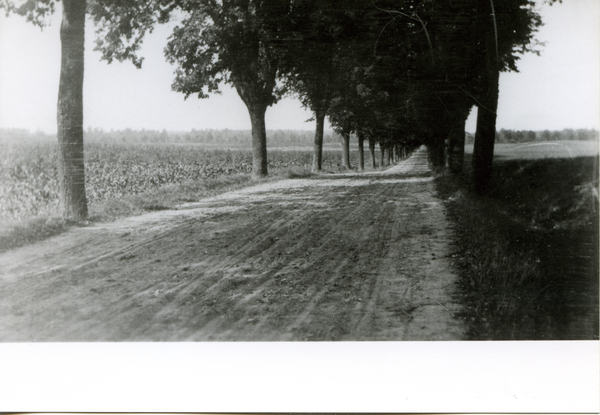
(29, 174)
(540, 150)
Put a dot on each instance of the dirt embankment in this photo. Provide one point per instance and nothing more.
(345, 257)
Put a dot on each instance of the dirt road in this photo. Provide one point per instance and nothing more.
(344, 257)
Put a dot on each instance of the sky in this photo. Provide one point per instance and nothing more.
(559, 89)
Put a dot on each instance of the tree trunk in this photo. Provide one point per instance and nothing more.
(372, 151)
(483, 149)
(361, 152)
(391, 154)
(318, 145)
(436, 150)
(259, 141)
(382, 151)
(441, 150)
(456, 146)
(71, 168)
(346, 150)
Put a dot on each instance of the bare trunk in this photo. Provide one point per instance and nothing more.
(456, 146)
(256, 94)
(388, 154)
(318, 145)
(372, 151)
(259, 141)
(71, 166)
(361, 152)
(436, 150)
(441, 150)
(382, 151)
(346, 150)
(392, 155)
(483, 149)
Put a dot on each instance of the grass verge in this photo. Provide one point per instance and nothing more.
(527, 252)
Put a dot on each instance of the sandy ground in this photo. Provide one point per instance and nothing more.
(340, 257)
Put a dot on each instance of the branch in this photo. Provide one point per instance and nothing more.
(495, 30)
(479, 104)
(417, 18)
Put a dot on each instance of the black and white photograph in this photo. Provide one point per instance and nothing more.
(322, 192)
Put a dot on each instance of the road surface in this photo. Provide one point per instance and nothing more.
(336, 257)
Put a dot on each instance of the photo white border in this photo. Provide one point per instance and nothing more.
(557, 376)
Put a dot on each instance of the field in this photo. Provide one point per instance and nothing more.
(128, 179)
(540, 150)
(527, 252)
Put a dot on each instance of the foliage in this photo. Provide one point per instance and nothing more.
(323, 35)
(122, 24)
(35, 11)
(231, 42)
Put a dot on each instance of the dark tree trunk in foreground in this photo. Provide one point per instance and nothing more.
(456, 146)
(70, 111)
(361, 152)
(382, 151)
(440, 151)
(391, 154)
(259, 141)
(483, 150)
(436, 149)
(346, 150)
(318, 145)
(372, 151)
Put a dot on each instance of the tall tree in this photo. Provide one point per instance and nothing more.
(70, 111)
(322, 35)
(507, 29)
(70, 97)
(238, 42)
(133, 19)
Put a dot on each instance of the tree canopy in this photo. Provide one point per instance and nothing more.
(411, 67)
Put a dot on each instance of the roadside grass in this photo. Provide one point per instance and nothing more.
(127, 180)
(527, 252)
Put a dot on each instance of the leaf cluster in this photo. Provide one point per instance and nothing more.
(235, 42)
(122, 24)
(35, 11)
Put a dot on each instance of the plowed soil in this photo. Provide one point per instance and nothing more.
(336, 257)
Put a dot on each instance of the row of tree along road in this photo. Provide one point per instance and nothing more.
(397, 72)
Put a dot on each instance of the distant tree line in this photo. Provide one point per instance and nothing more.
(224, 137)
(526, 136)
(568, 134)
(303, 138)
